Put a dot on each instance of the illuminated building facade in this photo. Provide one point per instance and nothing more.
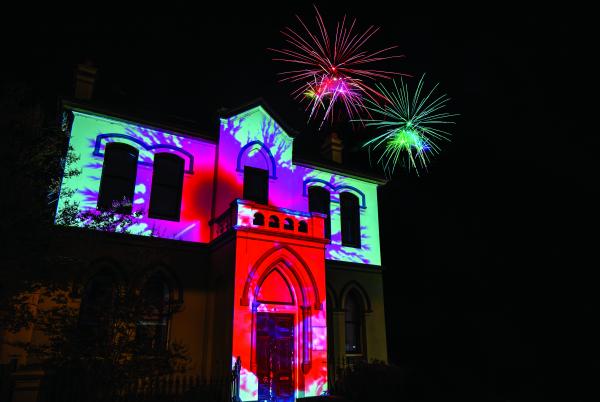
(257, 255)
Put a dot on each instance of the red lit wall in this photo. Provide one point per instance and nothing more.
(281, 266)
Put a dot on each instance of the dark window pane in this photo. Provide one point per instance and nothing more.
(256, 185)
(350, 219)
(352, 338)
(167, 186)
(273, 221)
(353, 324)
(319, 201)
(118, 176)
(259, 219)
(152, 327)
(96, 309)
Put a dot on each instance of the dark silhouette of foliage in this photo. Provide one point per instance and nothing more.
(37, 289)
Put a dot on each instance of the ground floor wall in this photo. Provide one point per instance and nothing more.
(129, 260)
(358, 287)
(218, 295)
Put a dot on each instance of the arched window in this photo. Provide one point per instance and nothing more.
(302, 227)
(273, 221)
(350, 219)
(318, 201)
(167, 186)
(153, 322)
(354, 321)
(97, 308)
(118, 177)
(288, 224)
(259, 219)
(256, 185)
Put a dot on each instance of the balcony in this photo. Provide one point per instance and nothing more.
(266, 219)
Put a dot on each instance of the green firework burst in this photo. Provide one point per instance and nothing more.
(411, 126)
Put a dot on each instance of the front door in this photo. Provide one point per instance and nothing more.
(275, 357)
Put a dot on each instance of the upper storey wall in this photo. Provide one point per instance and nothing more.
(251, 138)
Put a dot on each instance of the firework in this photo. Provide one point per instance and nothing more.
(410, 126)
(331, 72)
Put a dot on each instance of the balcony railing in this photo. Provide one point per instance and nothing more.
(249, 215)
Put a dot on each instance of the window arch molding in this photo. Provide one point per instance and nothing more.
(333, 189)
(105, 266)
(266, 154)
(292, 282)
(360, 291)
(333, 297)
(174, 285)
(102, 140)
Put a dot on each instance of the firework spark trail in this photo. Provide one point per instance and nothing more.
(333, 72)
(409, 124)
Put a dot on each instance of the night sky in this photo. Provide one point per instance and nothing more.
(487, 268)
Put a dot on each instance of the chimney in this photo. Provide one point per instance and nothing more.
(85, 76)
(332, 147)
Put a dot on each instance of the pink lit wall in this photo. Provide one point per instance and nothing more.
(254, 138)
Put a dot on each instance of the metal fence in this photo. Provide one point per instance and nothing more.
(6, 385)
(171, 388)
(82, 387)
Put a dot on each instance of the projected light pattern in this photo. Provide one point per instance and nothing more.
(89, 136)
(289, 182)
(410, 123)
(279, 276)
(275, 281)
(252, 138)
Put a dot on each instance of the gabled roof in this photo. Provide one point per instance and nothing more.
(166, 123)
(227, 113)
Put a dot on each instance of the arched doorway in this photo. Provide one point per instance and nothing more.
(276, 313)
(280, 326)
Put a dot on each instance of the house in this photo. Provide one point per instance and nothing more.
(247, 252)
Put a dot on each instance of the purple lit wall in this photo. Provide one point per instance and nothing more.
(253, 138)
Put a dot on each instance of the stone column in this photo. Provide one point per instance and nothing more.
(375, 342)
(339, 338)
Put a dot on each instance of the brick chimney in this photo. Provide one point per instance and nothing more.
(332, 147)
(85, 76)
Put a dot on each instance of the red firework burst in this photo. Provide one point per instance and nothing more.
(333, 72)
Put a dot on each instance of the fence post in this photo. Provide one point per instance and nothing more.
(25, 384)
